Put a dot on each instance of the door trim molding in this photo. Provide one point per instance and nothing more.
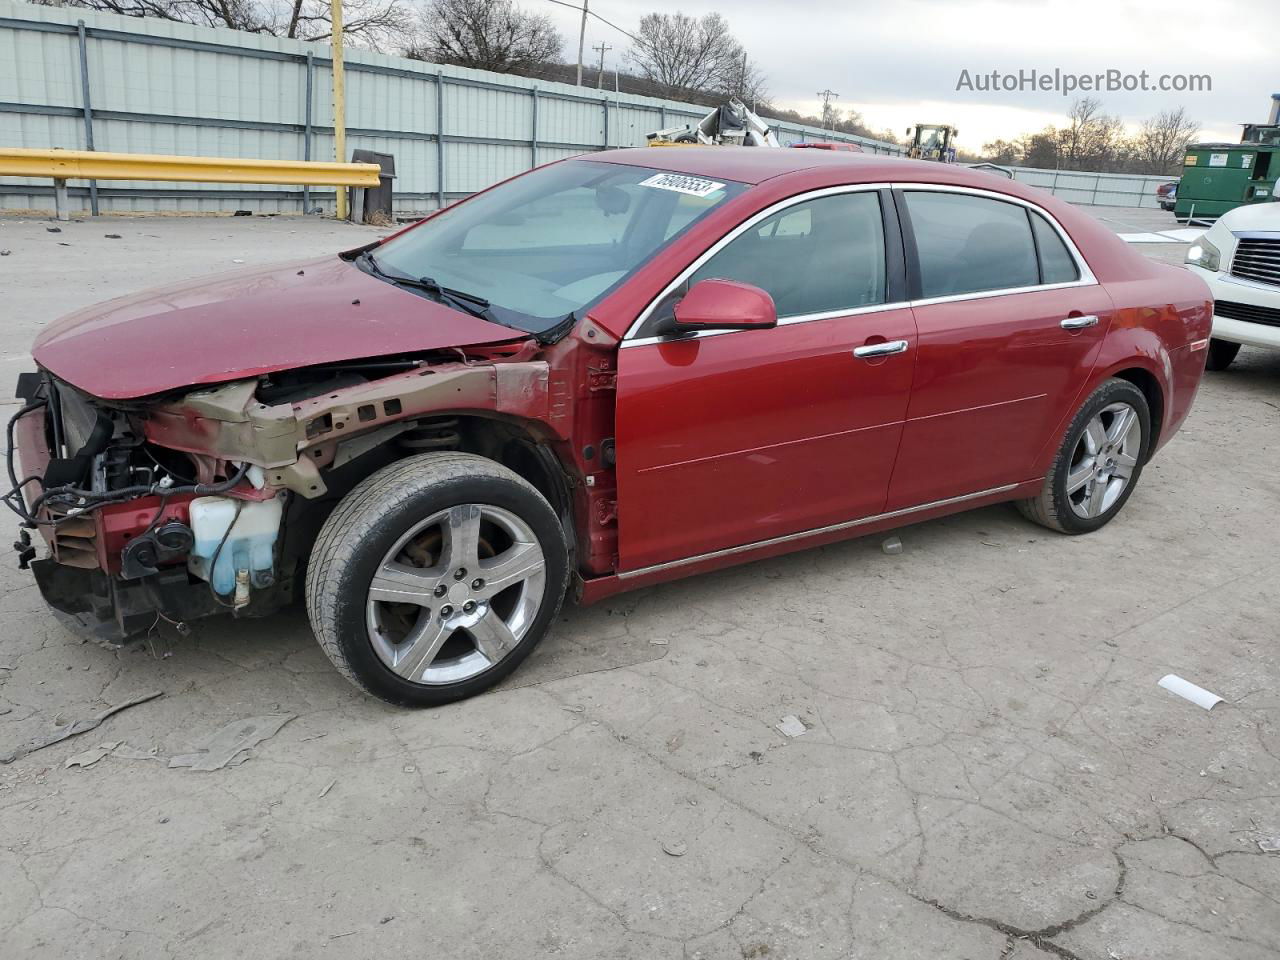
(814, 532)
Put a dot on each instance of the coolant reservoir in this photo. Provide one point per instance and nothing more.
(250, 546)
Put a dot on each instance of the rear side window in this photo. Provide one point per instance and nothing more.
(970, 244)
(823, 255)
(1056, 263)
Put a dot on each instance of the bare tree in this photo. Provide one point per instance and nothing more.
(685, 55)
(1004, 152)
(380, 24)
(1041, 149)
(488, 35)
(745, 81)
(1163, 140)
(1092, 140)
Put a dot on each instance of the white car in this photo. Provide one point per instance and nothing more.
(1239, 257)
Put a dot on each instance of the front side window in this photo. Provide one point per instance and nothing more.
(819, 256)
(552, 242)
(969, 244)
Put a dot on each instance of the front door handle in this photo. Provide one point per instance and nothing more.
(1079, 323)
(880, 349)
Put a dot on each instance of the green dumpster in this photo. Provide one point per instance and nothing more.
(1217, 177)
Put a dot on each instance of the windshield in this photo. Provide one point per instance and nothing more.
(931, 137)
(553, 242)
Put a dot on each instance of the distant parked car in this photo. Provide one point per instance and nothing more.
(1167, 195)
(824, 145)
(1239, 257)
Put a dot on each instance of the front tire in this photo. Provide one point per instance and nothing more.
(1221, 354)
(435, 577)
(1098, 464)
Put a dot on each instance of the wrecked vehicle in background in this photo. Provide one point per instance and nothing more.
(595, 376)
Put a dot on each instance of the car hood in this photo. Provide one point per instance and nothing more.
(247, 323)
(1252, 216)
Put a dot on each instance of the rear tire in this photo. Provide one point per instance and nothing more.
(1221, 354)
(435, 577)
(1098, 464)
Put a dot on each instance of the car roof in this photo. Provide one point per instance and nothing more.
(743, 164)
(755, 165)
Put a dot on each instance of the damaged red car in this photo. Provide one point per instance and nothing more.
(608, 372)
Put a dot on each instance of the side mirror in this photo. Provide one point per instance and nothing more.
(724, 305)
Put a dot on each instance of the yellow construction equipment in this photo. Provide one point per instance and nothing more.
(933, 141)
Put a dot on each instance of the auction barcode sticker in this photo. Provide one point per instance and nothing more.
(694, 186)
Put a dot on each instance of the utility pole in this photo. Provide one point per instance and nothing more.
(600, 75)
(827, 112)
(339, 104)
(582, 39)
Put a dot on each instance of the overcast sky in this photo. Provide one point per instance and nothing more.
(898, 62)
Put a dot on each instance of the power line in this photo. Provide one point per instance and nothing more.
(592, 13)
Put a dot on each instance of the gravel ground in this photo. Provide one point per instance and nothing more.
(988, 771)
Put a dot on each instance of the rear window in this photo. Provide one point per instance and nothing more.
(969, 244)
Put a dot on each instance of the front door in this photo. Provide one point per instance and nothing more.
(726, 439)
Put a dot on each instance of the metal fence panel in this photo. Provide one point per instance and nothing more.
(163, 87)
(1101, 189)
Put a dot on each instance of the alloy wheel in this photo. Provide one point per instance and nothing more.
(1104, 460)
(455, 594)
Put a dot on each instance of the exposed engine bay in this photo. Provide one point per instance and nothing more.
(174, 508)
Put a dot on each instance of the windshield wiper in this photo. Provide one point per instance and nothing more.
(459, 299)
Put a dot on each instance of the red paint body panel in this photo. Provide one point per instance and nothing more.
(992, 376)
(596, 589)
(730, 439)
(248, 323)
(120, 523)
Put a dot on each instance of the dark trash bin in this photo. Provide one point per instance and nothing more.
(374, 204)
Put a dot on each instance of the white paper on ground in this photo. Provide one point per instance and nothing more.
(1144, 238)
(1181, 235)
(791, 726)
(1189, 691)
(1184, 234)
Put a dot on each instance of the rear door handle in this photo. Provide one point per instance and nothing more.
(1079, 323)
(880, 349)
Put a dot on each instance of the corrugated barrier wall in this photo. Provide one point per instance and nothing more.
(82, 80)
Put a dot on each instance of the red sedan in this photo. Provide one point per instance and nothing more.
(608, 372)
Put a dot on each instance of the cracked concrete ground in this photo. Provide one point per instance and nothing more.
(989, 771)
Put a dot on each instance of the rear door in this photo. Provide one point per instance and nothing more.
(725, 439)
(1010, 324)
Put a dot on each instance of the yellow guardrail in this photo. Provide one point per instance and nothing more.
(64, 165)
(91, 165)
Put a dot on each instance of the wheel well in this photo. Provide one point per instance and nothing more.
(1145, 381)
(508, 442)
